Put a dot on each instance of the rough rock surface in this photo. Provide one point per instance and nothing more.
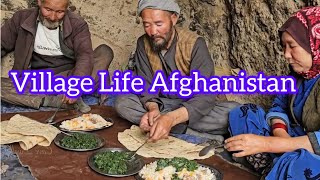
(240, 34)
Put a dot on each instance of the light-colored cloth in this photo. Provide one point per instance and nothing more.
(166, 5)
(47, 41)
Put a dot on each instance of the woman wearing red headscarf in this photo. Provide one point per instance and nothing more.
(285, 142)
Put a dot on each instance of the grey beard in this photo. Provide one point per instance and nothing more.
(48, 24)
(158, 47)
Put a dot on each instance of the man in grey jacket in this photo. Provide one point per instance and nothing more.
(168, 48)
(51, 37)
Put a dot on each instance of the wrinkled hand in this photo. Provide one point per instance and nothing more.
(161, 128)
(247, 144)
(147, 120)
(68, 100)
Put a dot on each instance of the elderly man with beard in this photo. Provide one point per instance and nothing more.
(166, 47)
(50, 37)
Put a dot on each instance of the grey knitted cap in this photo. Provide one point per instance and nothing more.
(166, 5)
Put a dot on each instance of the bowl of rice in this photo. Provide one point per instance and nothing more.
(178, 169)
(85, 122)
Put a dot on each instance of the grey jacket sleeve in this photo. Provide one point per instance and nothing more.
(200, 105)
(82, 49)
(143, 69)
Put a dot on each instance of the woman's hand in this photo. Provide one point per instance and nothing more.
(247, 144)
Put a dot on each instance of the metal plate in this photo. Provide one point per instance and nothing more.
(217, 173)
(133, 168)
(87, 130)
(60, 136)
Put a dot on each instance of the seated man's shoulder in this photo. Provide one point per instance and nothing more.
(140, 41)
(187, 32)
(25, 13)
(20, 16)
(187, 36)
(142, 37)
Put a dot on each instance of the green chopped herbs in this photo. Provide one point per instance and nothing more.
(178, 163)
(79, 141)
(112, 162)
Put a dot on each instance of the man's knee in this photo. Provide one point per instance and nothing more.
(105, 51)
(120, 103)
(6, 82)
(103, 56)
(216, 121)
(129, 107)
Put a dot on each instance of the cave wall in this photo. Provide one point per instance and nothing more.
(243, 34)
(240, 34)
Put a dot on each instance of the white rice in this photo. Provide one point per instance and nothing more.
(85, 122)
(148, 172)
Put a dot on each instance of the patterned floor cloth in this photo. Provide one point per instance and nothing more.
(11, 167)
(88, 99)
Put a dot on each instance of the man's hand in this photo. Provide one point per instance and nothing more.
(67, 100)
(148, 118)
(247, 144)
(161, 128)
(163, 124)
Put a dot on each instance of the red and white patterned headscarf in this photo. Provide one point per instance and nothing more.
(304, 27)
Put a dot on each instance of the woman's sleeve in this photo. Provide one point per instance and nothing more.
(279, 109)
(314, 138)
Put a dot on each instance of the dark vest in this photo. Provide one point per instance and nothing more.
(311, 109)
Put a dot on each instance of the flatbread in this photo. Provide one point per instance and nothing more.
(25, 142)
(27, 132)
(166, 148)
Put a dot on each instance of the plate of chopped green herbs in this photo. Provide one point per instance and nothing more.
(115, 162)
(178, 169)
(79, 141)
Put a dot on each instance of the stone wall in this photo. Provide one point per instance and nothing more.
(243, 34)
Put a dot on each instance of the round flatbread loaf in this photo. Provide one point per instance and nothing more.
(25, 142)
(27, 132)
